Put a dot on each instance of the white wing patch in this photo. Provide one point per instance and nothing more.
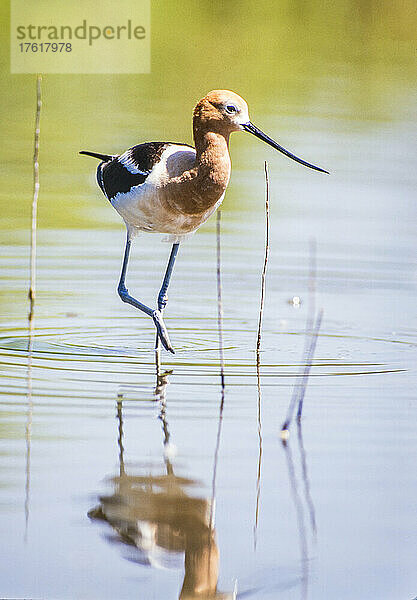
(129, 163)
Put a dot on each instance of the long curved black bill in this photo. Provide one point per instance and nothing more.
(265, 138)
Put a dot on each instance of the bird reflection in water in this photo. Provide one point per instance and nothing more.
(155, 517)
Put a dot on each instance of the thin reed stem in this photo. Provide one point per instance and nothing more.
(258, 348)
(265, 265)
(119, 405)
(219, 298)
(32, 285)
(220, 328)
(31, 296)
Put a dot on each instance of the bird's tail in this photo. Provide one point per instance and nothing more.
(105, 157)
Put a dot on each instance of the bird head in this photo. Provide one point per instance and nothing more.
(223, 111)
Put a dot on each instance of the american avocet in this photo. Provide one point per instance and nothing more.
(165, 187)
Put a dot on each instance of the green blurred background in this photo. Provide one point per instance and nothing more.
(350, 62)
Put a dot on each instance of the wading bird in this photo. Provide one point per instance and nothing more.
(165, 187)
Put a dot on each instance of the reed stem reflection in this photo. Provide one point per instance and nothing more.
(306, 481)
(305, 501)
(259, 468)
(299, 510)
(29, 417)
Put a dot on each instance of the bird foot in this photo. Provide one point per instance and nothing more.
(162, 331)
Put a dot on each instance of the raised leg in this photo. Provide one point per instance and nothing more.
(162, 296)
(126, 297)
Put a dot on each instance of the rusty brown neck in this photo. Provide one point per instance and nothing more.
(209, 140)
(200, 188)
(212, 160)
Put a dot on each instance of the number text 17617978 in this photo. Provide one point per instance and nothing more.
(45, 47)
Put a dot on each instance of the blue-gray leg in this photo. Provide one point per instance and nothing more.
(126, 297)
(162, 296)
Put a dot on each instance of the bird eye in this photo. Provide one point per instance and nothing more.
(231, 108)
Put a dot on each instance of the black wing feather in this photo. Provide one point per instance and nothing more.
(118, 178)
(115, 177)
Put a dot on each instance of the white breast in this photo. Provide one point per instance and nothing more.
(142, 207)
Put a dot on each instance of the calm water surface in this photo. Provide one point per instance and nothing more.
(116, 483)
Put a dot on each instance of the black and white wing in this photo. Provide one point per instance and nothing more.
(119, 174)
(130, 169)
